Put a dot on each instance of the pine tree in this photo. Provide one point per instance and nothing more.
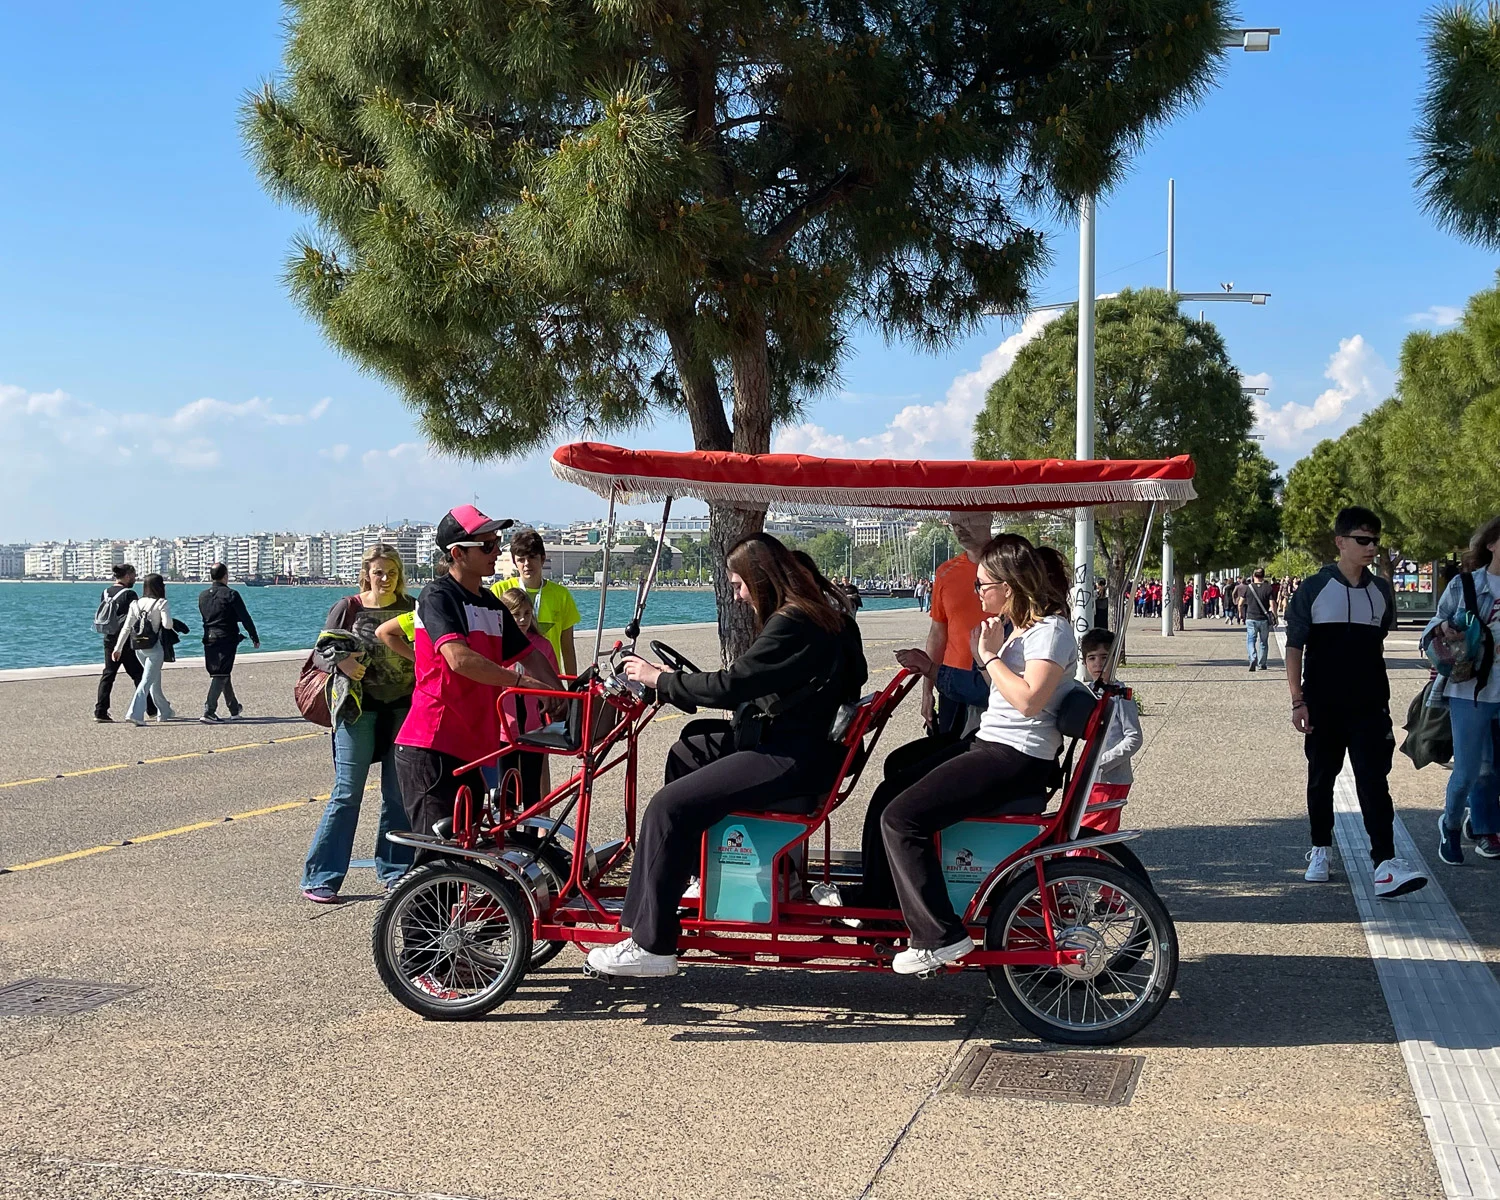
(542, 217)
(1458, 165)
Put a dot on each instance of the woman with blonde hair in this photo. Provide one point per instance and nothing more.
(365, 726)
(1006, 767)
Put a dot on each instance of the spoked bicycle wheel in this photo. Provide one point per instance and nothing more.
(452, 940)
(1127, 938)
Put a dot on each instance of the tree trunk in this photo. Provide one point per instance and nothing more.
(728, 524)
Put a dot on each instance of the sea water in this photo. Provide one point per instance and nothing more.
(51, 624)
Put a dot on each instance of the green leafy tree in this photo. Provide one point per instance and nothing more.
(1458, 138)
(1294, 563)
(1164, 385)
(1317, 486)
(534, 219)
(830, 550)
(1243, 526)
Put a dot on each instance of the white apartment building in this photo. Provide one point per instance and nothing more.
(47, 560)
(12, 561)
(149, 555)
(194, 556)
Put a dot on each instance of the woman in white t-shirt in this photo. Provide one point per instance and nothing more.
(148, 616)
(1007, 766)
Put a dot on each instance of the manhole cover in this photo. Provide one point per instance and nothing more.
(1104, 1079)
(57, 997)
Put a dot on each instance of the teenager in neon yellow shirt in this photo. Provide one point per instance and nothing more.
(556, 613)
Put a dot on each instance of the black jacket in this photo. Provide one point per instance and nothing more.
(798, 674)
(223, 611)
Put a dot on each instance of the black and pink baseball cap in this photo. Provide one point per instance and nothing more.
(466, 524)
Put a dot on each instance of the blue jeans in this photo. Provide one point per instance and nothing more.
(333, 843)
(150, 684)
(1257, 631)
(1473, 782)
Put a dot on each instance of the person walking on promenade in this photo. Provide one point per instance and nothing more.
(364, 730)
(223, 612)
(955, 614)
(1335, 633)
(114, 603)
(1101, 604)
(1258, 607)
(556, 612)
(466, 643)
(1473, 704)
(141, 631)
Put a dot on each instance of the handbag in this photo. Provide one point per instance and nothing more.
(311, 694)
(1463, 648)
(1429, 734)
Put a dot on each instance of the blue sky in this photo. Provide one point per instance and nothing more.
(155, 378)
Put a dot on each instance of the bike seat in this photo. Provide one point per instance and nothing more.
(556, 736)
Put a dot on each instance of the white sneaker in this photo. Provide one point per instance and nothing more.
(1394, 877)
(916, 962)
(694, 889)
(827, 894)
(1317, 865)
(626, 958)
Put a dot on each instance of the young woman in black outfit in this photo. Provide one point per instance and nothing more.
(785, 690)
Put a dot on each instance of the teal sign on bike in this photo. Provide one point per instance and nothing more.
(737, 880)
(970, 850)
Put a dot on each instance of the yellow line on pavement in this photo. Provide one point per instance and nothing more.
(295, 737)
(94, 770)
(166, 833)
(61, 858)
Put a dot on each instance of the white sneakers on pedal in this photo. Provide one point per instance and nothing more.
(1317, 865)
(919, 962)
(694, 889)
(827, 894)
(1395, 877)
(628, 959)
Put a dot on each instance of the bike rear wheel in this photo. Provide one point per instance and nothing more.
(1129, 945)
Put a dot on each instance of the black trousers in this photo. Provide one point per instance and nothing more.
(429, 788)
(1367, 737)
(707, 779)
(904, 766)
(132, 666)
(218, 660)
(986, 779)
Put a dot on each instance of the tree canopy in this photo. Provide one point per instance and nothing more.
(1458, 137)
(540, 218)
(1164, 385)
(1425, 459)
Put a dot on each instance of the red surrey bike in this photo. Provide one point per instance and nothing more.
(1076, 943)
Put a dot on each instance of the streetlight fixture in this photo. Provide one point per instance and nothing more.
(1256, 39)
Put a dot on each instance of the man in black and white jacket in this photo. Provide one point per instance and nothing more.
(1336, 625)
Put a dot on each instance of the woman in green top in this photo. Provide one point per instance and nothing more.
(365, 733)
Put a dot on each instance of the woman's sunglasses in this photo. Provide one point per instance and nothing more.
(980, 585)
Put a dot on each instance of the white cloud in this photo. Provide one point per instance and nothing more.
(1441, 315)
(54, 429)
(1360, 380)
(923, 430)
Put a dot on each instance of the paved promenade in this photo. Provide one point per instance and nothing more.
(261, 1057)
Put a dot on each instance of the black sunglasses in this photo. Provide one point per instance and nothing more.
(1363, 539)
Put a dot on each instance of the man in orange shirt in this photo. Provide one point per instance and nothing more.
(955, 615)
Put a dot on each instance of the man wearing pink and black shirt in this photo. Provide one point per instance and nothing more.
(465, 643)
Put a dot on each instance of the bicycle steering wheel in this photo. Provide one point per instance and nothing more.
(674, 659)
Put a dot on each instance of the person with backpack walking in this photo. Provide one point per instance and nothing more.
(1336, 626)
(1258, 610)
(1468, 624)
(141, 632)
(109, 618)
(223, 611)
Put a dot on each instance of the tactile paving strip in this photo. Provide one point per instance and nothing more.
(1066, 1078)
(1444, 1002)
(57, 997)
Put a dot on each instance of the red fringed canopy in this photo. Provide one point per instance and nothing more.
(799, 481)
